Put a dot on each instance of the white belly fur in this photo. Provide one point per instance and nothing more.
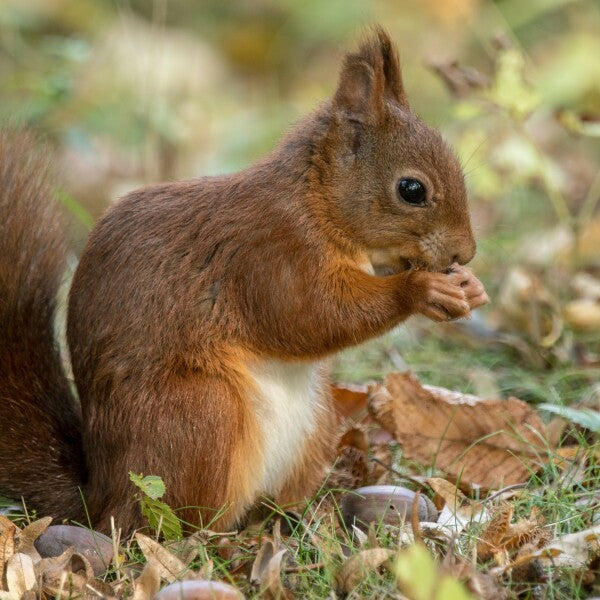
(287, 404)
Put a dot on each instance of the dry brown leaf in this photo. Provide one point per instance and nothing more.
(261, 560)
(355, 437)
(266, 569)
(492, 443)
(271, 586)
(170, 567)
(574, 549)
(570, 550)
(186, 549)
(69, 585)
(29, 534)
(349, 400)
(7, 541)
(457, 511)
(358, 566)
(20, 574)
(147, 584)
(70, 575)
(206, 570)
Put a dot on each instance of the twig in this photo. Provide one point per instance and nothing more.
(303, 568)
(514, 486)
(401, 475)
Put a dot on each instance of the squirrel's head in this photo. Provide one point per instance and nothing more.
(391, 182)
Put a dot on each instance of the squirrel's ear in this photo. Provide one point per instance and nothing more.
(369, 77)
(392, 73)
(356, 97)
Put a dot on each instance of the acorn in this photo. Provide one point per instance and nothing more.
(198, 589)
(388, 504)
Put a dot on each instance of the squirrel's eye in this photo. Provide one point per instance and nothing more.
(412, 191)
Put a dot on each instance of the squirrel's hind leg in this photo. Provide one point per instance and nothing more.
(197, 434)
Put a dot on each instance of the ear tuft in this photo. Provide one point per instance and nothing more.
(369, 77)
(392, 73)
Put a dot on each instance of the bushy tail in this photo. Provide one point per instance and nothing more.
(41, 455)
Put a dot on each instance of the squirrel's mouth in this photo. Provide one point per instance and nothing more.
(398, 265)
(388, 262)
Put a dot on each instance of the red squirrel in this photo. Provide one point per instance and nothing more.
(201, 312)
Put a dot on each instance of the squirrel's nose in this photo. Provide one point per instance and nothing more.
(466, 253)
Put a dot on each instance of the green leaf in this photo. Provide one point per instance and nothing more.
(586, 417)
(152, 485)
(161, 517)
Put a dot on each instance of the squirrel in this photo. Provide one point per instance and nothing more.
(202, 313)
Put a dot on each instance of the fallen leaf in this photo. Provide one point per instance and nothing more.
(68, 561)
(491, 443)
(570, 550)
(574, 549)
(20, 574)
(349, 400)
(170, 567)
(271, 586)
(358, 566)
(147, 584)
(457, 511)
(186, 549)
(266, 570)
(7, 541)
(29, 534)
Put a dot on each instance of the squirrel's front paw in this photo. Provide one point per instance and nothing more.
(475, 293)
(440, 296)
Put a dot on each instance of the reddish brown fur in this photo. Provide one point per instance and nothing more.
(36, 406)
(186, 287)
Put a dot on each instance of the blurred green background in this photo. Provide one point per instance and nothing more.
(130, 93)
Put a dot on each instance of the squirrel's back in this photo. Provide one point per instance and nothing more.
(40, 420)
